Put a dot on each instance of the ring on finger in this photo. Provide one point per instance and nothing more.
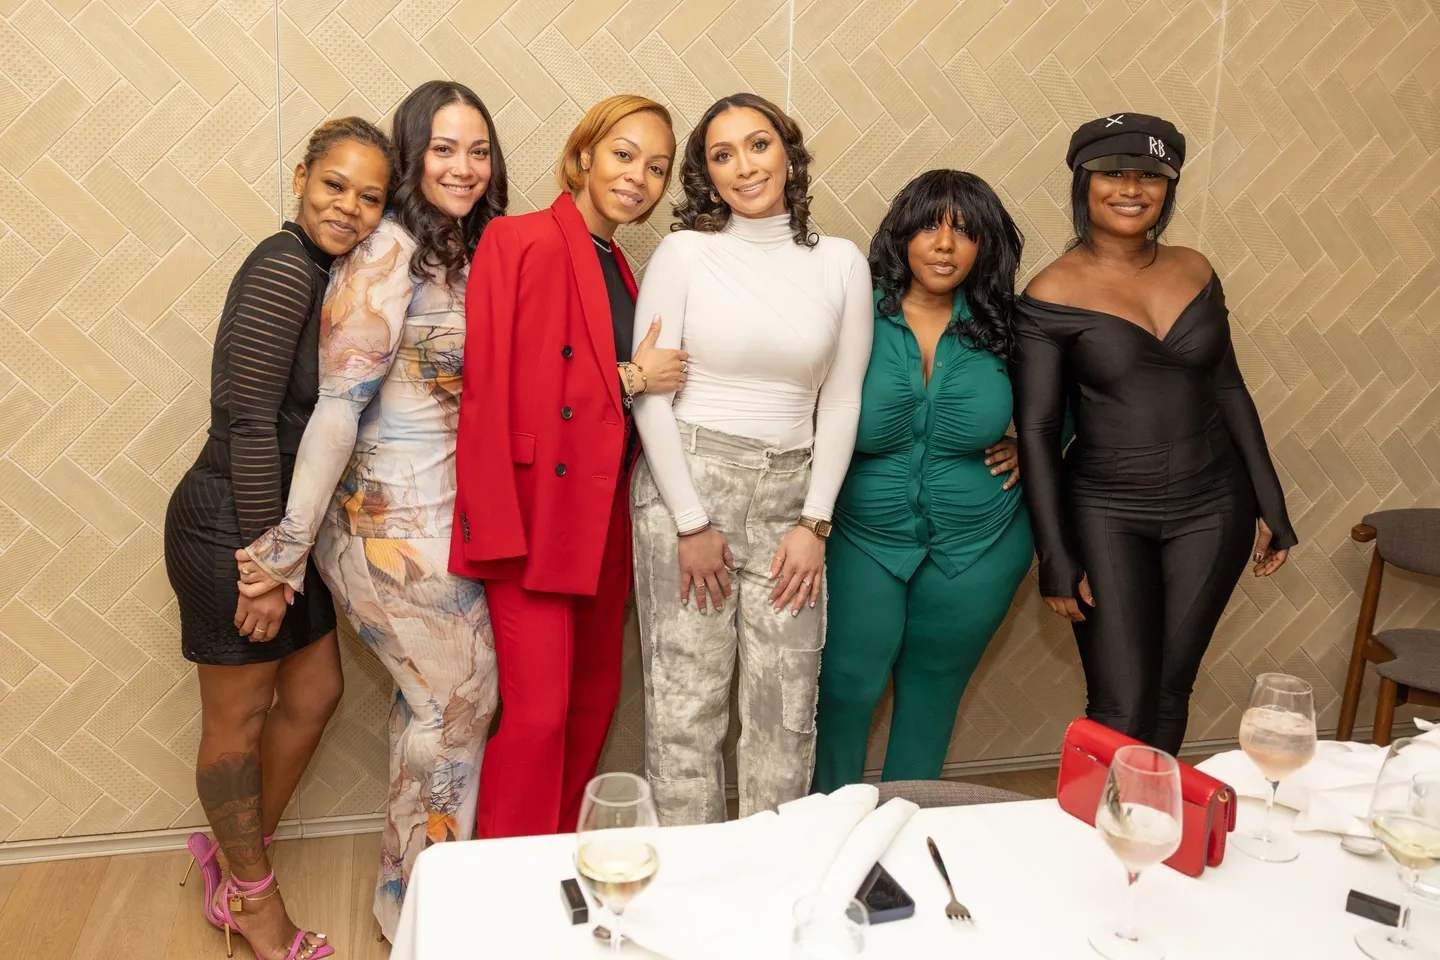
(805, 582)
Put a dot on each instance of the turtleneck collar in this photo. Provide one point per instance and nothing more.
(763, 231)
(321, 259)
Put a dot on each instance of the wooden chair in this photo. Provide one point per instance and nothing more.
(1408, 659)
(946, 793)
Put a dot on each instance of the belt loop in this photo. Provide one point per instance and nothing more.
(694, 433)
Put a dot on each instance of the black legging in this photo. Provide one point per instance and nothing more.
(1163, 533)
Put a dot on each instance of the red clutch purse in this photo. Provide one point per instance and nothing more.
(1209, 803)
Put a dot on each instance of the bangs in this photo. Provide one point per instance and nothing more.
(935, 199)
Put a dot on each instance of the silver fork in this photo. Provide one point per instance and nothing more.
(955, 910)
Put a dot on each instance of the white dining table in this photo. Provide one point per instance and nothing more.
(1036, 880)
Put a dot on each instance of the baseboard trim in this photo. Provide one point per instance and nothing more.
(157, 841)
(113, 845)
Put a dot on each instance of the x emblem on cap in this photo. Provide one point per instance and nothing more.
(1115, 121)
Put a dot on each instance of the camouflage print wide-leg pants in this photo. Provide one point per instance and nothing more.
(754, 496)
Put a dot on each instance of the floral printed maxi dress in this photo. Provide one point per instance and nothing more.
(373, 495)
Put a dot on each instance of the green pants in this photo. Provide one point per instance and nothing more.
(930, 631)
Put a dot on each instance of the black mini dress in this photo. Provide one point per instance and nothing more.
(264, 380)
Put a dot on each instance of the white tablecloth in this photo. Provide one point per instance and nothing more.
(1036, 879)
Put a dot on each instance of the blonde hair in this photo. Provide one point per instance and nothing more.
(598, 121)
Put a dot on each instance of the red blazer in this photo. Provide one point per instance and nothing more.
(542, 427)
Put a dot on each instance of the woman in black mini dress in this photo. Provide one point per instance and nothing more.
(269, 671)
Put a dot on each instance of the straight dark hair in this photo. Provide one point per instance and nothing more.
(969, 205)
(1080, 213)
(701, 211)
(444, 246)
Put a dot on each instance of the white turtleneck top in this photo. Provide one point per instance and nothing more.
(779, 339)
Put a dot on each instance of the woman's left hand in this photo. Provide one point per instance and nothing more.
(1004, 457)
(255, 582)
(1267, 561)
(797, 568)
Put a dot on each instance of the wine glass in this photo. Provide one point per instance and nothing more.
(1405, 818)
(614, 850)
(1139, 820)
(1277, 733)
(826, 930)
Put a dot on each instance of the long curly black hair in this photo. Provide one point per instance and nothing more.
(444, 245)
(702, 211)
(956, 197)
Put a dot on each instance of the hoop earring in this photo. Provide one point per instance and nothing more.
(714, 197)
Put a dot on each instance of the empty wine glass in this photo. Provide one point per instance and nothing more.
(1277, 733)
(1405, 818)
(1139, 820)
(614, 850)
(826, 930)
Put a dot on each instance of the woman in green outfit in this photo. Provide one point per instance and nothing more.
(931, 538)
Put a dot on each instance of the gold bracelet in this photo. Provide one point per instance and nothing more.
(644, 383)
(697, 530)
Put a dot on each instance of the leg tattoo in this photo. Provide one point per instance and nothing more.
(229, 790)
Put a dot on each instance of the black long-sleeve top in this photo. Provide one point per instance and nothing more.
(264, 371)
(1127, 388)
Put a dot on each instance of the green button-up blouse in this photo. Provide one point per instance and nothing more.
(918, 485)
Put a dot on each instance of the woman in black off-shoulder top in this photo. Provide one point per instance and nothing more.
(1148, 520)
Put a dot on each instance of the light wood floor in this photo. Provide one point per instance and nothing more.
(133, 908)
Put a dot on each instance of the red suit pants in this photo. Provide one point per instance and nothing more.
(559, 658)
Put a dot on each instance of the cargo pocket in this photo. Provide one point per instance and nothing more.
(799, 689)
(643, 490)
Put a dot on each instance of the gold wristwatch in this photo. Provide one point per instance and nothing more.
(821, 528)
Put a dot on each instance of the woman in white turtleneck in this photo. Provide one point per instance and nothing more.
(732, 502)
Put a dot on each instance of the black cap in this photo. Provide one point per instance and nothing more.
(1128, 141)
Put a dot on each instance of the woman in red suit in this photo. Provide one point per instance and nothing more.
(542, 466)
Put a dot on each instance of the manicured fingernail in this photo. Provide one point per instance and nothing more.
(994, 472)
(795, 613)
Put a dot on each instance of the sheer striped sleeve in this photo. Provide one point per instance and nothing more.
(269, 311)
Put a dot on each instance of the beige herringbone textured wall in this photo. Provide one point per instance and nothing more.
(138, 164)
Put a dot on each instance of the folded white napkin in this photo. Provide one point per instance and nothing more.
(863, 849)
(1330, 794)
(729, 890)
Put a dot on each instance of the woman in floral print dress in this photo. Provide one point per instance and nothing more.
(374, 486)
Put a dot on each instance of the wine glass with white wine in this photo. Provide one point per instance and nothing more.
(1277, 733)
(1139, 820)
(614, 853)
(1405, 818)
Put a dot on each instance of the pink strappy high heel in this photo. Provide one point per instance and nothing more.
(202, 852)
(239, 891)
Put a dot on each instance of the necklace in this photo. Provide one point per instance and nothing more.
(600, 243)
